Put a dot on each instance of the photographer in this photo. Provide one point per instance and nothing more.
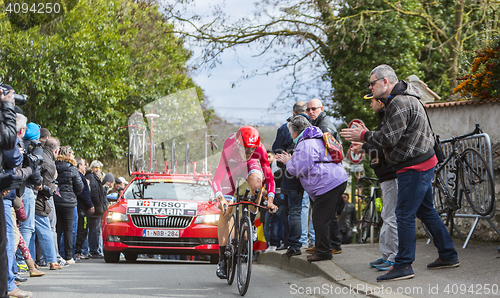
(8, 141)
(33, 157)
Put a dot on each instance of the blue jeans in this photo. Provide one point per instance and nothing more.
(7, 204)
(94, 234)
(272, 226)
(27, 227)
(45, 238)
(306, 221)
(294, 223)
(415, 200)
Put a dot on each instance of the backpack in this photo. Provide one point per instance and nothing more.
(332, 147)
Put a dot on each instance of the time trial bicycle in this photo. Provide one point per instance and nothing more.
(239, 247)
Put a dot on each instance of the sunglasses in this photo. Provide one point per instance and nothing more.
(314, 109)
(373, 82)
(247, 150)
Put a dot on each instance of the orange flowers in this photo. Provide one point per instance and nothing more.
(485, 79)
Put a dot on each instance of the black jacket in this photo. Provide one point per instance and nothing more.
(8, 133)
(84, 199)
(324, 123)
(49, 175)
(69, 181)
(382, 168)
(36, 177)
(97, 194)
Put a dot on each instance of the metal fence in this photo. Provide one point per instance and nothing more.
(482, 143)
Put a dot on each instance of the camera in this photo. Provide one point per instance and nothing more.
(33, 156)
(20, 99)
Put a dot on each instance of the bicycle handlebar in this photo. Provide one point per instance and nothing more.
(374, 180)
(476, 131)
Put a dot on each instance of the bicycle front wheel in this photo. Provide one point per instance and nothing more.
(477, 182)
(438, 193)
(245, 255)
(231, 247)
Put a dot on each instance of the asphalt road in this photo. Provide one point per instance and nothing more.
(166, 278)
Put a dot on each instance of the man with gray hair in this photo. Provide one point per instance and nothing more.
(291, 185)
(407, 141)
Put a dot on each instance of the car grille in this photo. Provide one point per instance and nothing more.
(151, 221)
(163, 242)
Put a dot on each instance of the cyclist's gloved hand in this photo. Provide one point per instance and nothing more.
(270, 204)
(223, 204)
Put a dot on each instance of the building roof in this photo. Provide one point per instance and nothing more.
(460, 103)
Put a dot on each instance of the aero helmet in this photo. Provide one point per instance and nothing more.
(248, 137)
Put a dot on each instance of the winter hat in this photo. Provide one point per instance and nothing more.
(32, 131)
(108, 178)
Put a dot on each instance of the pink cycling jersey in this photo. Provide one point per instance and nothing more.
(232, 165)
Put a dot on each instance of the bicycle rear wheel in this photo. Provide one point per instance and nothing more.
(244, 256)
(477, 182)
(231, 247)
(364, 224)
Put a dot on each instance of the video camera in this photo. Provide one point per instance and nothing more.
(20, 99)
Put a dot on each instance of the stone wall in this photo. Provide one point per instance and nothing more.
(453, 119)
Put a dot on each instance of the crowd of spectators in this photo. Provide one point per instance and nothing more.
(53, 202)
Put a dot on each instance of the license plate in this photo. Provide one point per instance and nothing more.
(161, 233)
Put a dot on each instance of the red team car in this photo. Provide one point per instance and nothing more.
(171, 214)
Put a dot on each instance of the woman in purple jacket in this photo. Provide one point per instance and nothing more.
(324, 180)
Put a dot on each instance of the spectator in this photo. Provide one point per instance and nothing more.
(407, 140)
(323, 180)
(8, 141)
(107, 181)
(348, 219)
(44, 135)
(388, 240)
(316, 113)
(272, 221)
(117, 189)
(44, 205)
(70, 184)
(98, 196)
(85, 209)
(32, 149)
(291, 185)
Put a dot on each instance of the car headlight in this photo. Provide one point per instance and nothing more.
(116, 217)
(209, 219)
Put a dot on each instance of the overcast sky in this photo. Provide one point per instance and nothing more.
(248, 101)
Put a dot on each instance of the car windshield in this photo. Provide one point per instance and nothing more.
(169, 189)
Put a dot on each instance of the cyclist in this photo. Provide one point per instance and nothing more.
(243, 155)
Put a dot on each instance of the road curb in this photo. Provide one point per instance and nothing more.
(327, 269)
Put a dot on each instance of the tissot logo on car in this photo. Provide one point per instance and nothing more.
(161, 208)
